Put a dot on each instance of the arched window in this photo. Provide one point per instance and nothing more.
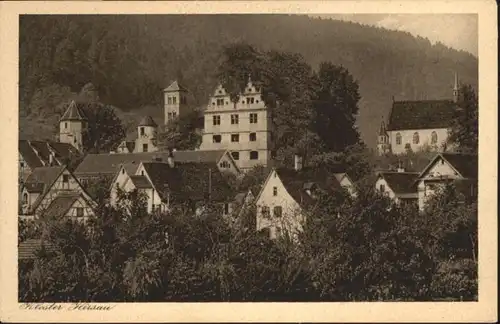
(398, 139)
(434, 138)
(416, 138)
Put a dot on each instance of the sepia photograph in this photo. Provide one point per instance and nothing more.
(247, 157)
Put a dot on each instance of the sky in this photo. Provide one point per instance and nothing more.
(459, 31)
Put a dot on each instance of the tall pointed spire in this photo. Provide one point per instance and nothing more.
(456, 89)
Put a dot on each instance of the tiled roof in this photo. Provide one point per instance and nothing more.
(29, 155)
(466, 164)
(37, 153)
(400, 182)
(422, 114)
(73, 112)
(43, 176)
(148, 121)
(187, 181)
(140, 182)
(297, 182)
(175, 86)
(34, 187)
(61, 204)
(29, 248)
(110, 163)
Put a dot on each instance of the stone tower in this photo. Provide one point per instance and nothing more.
(71, 126)
(383, 145)
(146, 135)
(175, 101)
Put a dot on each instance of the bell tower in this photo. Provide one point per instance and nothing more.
(175, 101)
(71, 126)
(383, 145)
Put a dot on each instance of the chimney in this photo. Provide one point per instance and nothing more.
(170, 159)
(297, 162)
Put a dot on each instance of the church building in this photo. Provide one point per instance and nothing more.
(242, 127)
(416, 125)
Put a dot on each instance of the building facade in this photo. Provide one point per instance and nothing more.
(243, 127)
(175, 102)
(418, 125)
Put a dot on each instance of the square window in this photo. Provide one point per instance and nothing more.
(235, 137)
(265, 212)
(217, 138)
(253, 137)
(65, 125)
(174, 100)
(142, 131)
(144, 147)
(275, 191)
(22, 164)
(169, 100)
(79, 212)
(235, 155)
(65, 178)
(234, 119)
(253, 118)
(174, 114)
(254, 155)
(216, 120)
(382, 188)
(277, 211)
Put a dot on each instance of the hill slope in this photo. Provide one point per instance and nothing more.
(131, 58)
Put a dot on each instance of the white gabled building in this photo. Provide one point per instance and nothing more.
(287, 193)
(458, 168)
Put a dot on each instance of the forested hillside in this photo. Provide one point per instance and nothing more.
(130, 59)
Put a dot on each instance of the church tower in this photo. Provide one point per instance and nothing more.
(71, 126)
(383, 145)
(146, 135)
(175, 101)
(456, 90)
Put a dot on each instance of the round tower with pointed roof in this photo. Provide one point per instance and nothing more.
(71, 126)
(175, 97)
(146, 135)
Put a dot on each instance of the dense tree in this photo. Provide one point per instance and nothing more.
(182, 133)
(336, 107)
(465, 130)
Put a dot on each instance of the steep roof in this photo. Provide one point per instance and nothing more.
(29, 248)
(61, 204)
(140, 182)
(400, 182)
(188, 181)
(43, 177)
(29, 155)
(175, 86)
(110, 163)
(73, 113)
(463, 163)
(148, 121)
(421, 114)
(297, 182)
(37, 153)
